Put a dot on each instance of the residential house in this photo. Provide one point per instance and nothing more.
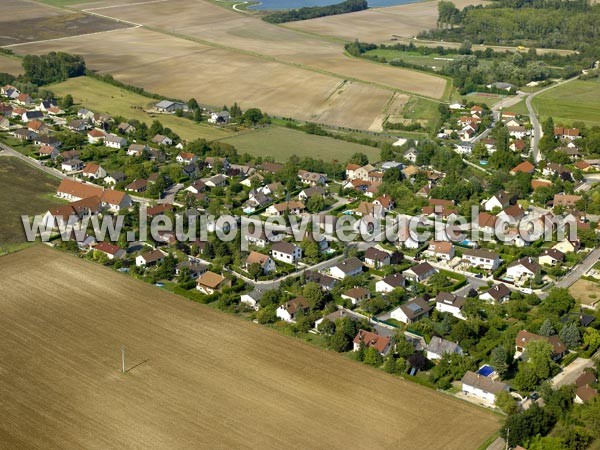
(73, 190)
(566, 133)
(110, 250)
(115, 177)
(114, 141)
(159, 139)
(271, 167)
(286, 252)
(450, 303)
(511, 214)
(412, 311)
(498, 293)
(216, 181)
(440, 250)
(551, 257)
(420, 272)
(567, 246)
(219, 118)
(96, 136)
(137, 149)
(193, 267)
(326, 282)
(213, 162)
(565, 200)
(150, 258)
(585, 394)
(186, 158)
(314, 191)
(438, 347)
(347, 268)
(376, 258)
(382, 344)
(210, 282)
(385, 202)
(526, 267)
(37, 126)
(196, 187)
(517, 132)
(339, 314)
(481, 387)
(31, 115)
(77, 125)
(126, 128)
(138, 186)
(524, 167)
(116, 201)
(292, 208)
(524, 337)
(356, 295)
(167, 106)
(500, 200)
(48, 151)
(312, 178)
(251, 300)
(389, 283)
(482, 258)
(289, 310)
(93, 171)
(266, 263)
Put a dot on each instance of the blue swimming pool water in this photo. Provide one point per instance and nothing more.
(486, 371)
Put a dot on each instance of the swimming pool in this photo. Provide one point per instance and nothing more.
(486, 371)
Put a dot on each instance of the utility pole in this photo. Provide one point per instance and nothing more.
(122, 359)
(507, 435)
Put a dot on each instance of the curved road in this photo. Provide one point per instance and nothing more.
(535, 123)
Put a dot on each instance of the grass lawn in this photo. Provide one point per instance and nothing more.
(482, 97)
(106, 98)
(575, 101)
(433, 60)
(420, 109)
(10, 64)
(25, 190)
(281, 143)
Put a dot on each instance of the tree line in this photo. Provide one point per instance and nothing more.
(312, 12)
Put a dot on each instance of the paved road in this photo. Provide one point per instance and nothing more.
(570, 373)
(535, 123)
(8, 151)
(169, 194)
(580, 269)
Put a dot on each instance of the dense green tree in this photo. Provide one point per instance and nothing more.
(547, 329)
(570, 336)
(372, 357)
(499, 360)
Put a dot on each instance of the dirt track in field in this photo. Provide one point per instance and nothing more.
(197, 378)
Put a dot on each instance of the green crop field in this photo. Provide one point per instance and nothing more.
(432, 60)
(575, 101)
(25, 190)
(281, 143)
(106, 98)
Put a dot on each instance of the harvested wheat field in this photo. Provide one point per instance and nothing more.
(196, 378)
(212, 24)
(30, 22)
(10, 64)
(379, 24)
(183, 69)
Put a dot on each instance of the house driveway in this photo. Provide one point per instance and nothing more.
(570, 373)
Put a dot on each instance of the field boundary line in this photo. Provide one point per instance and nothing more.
(124, 5)
(71, 37)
